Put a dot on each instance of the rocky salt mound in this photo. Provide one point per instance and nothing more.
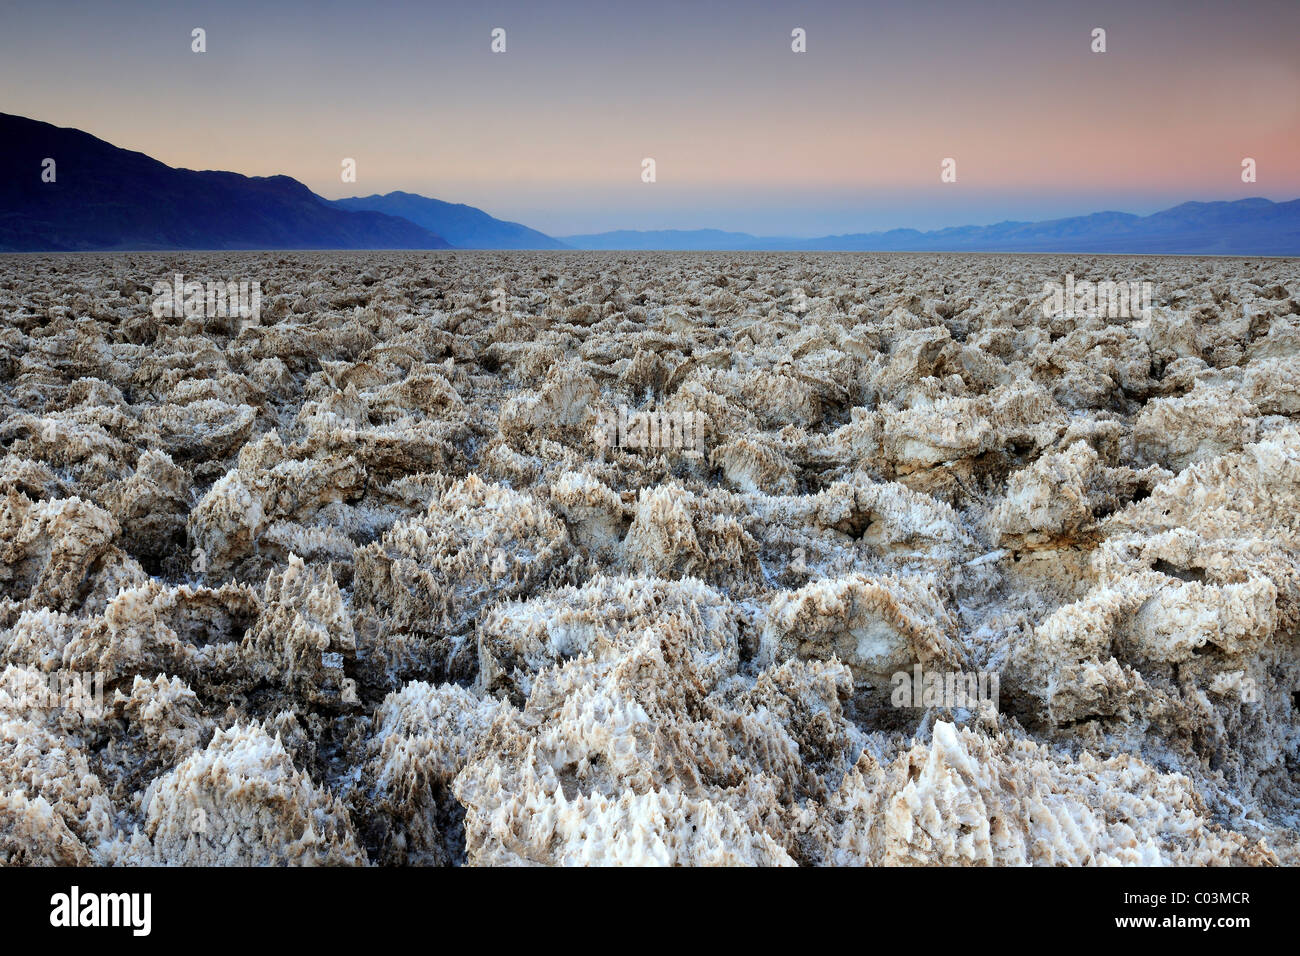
(367, 580)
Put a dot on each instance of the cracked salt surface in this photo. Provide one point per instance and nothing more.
(364, 587)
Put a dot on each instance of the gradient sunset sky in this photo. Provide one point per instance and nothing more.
(747, 135)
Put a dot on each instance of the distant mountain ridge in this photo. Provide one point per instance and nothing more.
(465, 227)
(1245, 227)
(106, 198)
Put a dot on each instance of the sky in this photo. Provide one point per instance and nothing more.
(746, 134)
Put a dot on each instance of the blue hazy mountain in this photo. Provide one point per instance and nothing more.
(103, 197)
(107, 198)
(465, 227)
(1246, 227)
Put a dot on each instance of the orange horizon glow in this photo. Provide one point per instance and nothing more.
(714, 95)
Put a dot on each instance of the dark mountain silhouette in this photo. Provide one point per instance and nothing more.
(108, 198)
(465, 227)
(1246, 227)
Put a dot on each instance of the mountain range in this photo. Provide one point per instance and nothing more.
(103, 197)
(465, 227)
(65, 190)
(1245, 227)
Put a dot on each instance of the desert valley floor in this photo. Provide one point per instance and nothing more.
(369, 578)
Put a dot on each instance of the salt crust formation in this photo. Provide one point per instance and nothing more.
(363, 588)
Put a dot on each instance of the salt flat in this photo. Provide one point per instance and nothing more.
(611, 558)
